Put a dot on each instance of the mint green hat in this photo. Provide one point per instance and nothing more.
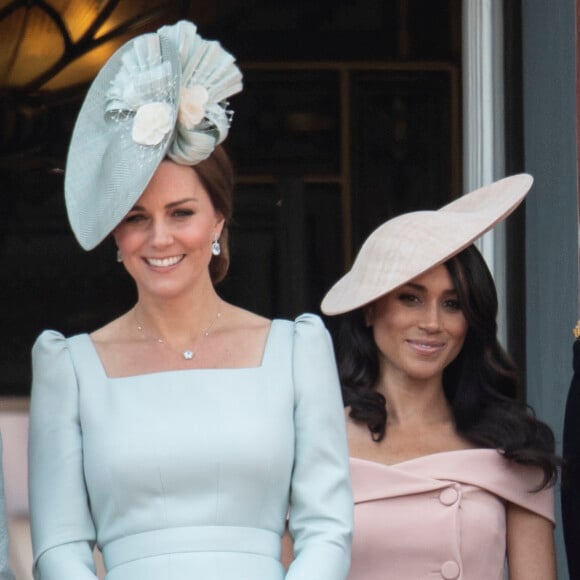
(162, 94)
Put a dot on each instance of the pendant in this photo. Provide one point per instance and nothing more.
(187, 354)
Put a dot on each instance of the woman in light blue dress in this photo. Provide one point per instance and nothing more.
(182, 436)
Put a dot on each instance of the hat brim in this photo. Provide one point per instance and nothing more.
(411, 244)
(106, 170)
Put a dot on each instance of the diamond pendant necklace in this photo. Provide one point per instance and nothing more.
(186, 354)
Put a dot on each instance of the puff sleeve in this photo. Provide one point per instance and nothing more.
(321, 503)
(63, 532)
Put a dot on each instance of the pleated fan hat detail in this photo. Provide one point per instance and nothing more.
(410, 244)
(161, 94)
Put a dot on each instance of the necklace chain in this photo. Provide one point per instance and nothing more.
(187, 354)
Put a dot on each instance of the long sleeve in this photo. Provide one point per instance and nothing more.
(63, 533)
(321, 503)
(5, 571)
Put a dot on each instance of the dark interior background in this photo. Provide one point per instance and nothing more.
(351, 114)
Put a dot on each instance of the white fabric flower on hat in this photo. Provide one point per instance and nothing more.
(153, 121)
(192, 101)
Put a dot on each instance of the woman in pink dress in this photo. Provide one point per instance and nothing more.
(451, 475)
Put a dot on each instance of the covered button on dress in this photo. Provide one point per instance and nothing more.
(440, 516)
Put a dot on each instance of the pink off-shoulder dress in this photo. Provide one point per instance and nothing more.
(440, 516)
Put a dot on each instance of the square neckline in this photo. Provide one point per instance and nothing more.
(90, 345)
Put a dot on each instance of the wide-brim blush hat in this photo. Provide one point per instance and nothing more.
(411, 244)
(162, 94)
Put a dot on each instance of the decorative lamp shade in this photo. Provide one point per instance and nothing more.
(55, 44)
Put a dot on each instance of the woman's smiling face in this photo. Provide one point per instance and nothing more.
(419, 328)
(165, 240)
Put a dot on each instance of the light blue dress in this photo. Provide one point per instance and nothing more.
(190, 474)
(5, 570)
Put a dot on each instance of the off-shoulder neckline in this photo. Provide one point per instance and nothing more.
(438, 454)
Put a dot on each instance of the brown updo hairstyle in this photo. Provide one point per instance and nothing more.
(217, 175)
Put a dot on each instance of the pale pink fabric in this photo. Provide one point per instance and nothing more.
(441, 516)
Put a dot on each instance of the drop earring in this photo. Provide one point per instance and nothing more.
(119, 256)
(216, 248)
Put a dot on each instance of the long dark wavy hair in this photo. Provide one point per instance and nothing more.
(481, 384)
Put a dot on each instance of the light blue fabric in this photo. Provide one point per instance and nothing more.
(190, 474)
(5, 570)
